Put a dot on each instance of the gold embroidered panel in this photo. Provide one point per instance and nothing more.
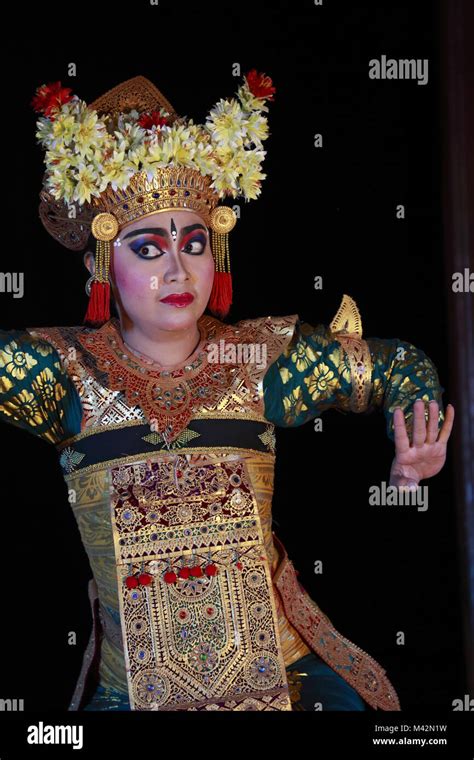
(195, 640)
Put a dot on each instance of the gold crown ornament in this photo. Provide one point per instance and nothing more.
(129, 155)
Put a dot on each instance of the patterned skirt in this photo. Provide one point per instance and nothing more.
(313, 685)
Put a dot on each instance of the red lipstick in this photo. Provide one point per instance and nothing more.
(178, 299)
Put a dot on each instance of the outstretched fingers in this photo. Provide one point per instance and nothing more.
(432, 432)
(400, 435)
(419, 423)
(445, 431)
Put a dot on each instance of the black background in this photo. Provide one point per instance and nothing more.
(328, 212)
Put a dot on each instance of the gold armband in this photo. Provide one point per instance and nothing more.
(346, 327)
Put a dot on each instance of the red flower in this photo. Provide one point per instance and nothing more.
(260, 85)
(50, 96)
(170, 577)
(153, 119)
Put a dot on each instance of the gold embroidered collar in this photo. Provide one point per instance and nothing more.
(167, 396)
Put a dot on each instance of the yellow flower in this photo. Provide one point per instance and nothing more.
(50, 390)
(152, 159)
(178, 151)
(250, 184)
(15, 361)
(339, 358)
(60, 159)
(226, 174)
(138, 155)
(225, 123)
(61, 184)
(322, 382)
(285, 374)
(203, 159)
(117, 172)
(179, 146)
(88, 134)
(303, 356)
(43, 348)
(26, 404)
(63, 128)
(257, 128)
(293, 405)
(86, 186)
(225, 182)
(249, 101)
(249, 163)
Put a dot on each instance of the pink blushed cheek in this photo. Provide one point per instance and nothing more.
(132, 284)
(207, 274)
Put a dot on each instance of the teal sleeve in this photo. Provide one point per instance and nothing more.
(36, 393)
(314, 374)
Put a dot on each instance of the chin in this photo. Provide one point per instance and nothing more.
(173, 318)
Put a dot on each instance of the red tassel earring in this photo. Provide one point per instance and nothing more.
(104, 228)
(222, 221)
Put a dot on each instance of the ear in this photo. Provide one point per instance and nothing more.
(89, 261)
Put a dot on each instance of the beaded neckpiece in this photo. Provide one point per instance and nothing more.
(167, 397)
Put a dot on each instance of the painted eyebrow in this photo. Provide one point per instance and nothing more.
(163, 231)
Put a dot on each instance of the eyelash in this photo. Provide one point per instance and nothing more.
(137, 249)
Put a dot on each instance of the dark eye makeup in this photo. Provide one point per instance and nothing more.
(195, 246)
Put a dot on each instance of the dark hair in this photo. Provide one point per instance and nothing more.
(90, 245)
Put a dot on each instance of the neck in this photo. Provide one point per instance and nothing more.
(165, 347)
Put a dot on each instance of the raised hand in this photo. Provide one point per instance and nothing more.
(426, 454)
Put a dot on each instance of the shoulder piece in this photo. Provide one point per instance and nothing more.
(275, 332)
(67, 342)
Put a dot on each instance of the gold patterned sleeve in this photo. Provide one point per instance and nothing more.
(36, 394)
(333, 367)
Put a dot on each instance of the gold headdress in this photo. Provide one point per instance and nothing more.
(129, 154)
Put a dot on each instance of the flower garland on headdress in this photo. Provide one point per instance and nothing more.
(87, 152)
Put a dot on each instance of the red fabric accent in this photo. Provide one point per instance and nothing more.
(221, 294)
(98, 309)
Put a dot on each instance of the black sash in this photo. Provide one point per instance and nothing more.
(140, 439)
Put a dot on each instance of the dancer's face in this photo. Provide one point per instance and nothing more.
(162, 254)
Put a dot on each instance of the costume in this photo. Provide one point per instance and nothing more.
(195, 602)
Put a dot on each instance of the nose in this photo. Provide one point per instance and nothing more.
(176, 271)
